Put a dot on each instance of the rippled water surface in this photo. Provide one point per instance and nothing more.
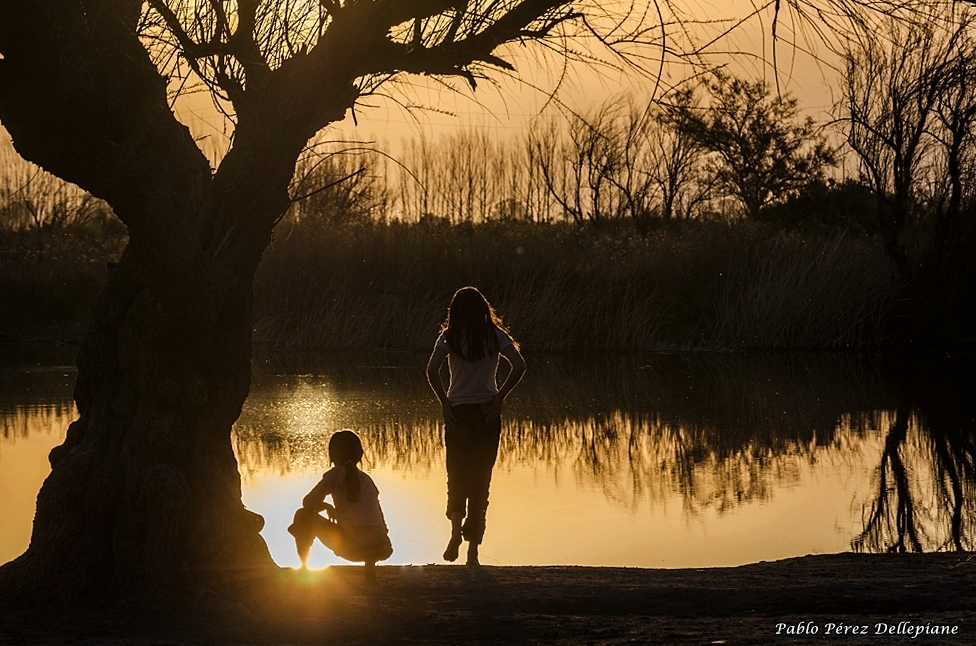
(662, 461)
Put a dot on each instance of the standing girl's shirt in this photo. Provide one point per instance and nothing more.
(365, 510)
(473, 382)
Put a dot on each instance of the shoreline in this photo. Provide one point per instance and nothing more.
(849, 598)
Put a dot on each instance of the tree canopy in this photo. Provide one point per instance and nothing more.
(761, 150)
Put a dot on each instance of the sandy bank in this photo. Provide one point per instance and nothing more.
(844, 598)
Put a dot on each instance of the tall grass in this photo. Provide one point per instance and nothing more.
(710, 285)
(794, 292)
(50, 278)
(55, 240)
(365, 285)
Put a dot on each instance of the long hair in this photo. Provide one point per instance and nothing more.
(346, 449)
(471, 324)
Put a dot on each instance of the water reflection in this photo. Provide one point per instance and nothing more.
(925, 485)
(718, 430)
(28, 431)
(664, 460)
(737, 452)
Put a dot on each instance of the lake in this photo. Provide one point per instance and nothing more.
(684, 460)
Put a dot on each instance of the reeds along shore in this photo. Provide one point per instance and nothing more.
(365, 285)
(563, 288)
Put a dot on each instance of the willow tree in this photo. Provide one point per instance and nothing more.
(144, 494)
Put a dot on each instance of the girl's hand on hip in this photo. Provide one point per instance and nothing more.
(449, 418)
(494, 409)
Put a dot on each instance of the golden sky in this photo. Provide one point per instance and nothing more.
(507, 106)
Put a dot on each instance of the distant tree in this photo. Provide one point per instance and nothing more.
(464, 176)
(597, 166)
(890, 98)
(336, 185)
(910, 109)
(621, 160)
(676, 158)
(760, 151)
(558, 167)
(580, 163)
(631, 128)
(144, 496)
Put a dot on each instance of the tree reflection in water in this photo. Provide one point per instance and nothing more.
(21, 422)
(34, 398)
(926, 480)
(718, 430)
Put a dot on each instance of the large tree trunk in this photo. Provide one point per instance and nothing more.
(144, 495)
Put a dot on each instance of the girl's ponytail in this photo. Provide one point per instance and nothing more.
(352, 481)
(346, 449)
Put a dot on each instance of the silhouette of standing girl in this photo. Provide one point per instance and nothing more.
(471, 339)
(355, 529)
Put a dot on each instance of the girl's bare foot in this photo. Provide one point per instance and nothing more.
(451, 553)
(473, 554)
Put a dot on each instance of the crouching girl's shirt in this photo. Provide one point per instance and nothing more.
(364, 511)
(360, 532)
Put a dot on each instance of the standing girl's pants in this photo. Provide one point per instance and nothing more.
(472, 446)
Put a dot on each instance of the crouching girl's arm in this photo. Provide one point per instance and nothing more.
(314, 500)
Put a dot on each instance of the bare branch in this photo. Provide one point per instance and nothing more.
(452, 57)
(243, 41)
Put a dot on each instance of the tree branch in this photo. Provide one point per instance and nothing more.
(452, 57)
(246, 48)
(390, 13)
(193, 51)
(331, 6)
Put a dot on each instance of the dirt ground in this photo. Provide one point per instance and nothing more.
(826, 599)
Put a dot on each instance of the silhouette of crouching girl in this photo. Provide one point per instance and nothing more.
(355, 529)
